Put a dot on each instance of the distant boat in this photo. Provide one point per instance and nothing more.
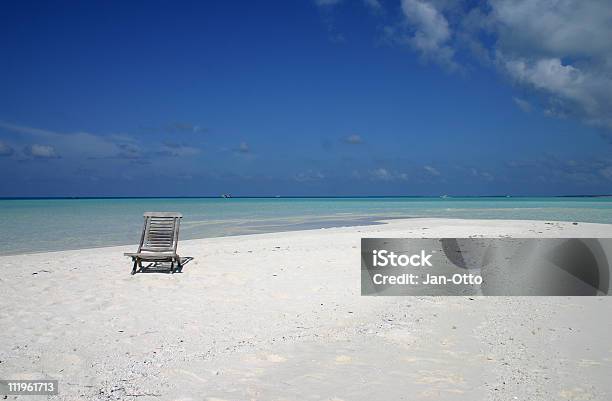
(445, 196)
(226, 196)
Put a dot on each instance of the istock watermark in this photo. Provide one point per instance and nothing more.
(384, 258)
(486, 266)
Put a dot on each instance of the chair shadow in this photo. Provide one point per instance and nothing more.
(164, 267)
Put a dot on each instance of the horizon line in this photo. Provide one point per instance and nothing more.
(300, 197)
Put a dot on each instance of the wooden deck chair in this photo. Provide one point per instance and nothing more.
(159, 240)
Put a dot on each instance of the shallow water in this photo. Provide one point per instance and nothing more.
(35, 225)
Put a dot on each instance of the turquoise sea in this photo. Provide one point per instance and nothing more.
(35, 225)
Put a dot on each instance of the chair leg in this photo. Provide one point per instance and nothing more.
(134, 267)
(179, 266)
(172, 266)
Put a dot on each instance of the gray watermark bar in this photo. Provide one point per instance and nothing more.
(29, 387)
(486, 266)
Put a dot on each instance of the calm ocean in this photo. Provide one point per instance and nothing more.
(36, 225)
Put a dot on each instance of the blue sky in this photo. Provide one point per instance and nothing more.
(324, 97)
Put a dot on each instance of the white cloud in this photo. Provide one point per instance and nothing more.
(309, 175)
(482, 174)
(244, 147)
(374, 5)
(522, 104)
(78, 143)
(553, 28)
(41, 151)
(381, 174)
(21, 129)
(560, 49)
(431, 31)
(127, 150)
(354, 139)
(574, 91)
(5, 149)
(100, 147)
(431, 170)
(177, 150)
(606, 172)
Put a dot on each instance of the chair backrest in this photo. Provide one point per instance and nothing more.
(160, 232)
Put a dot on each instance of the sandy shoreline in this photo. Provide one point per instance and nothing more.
(279, 317)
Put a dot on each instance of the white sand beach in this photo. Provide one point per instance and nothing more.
(279, 317)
